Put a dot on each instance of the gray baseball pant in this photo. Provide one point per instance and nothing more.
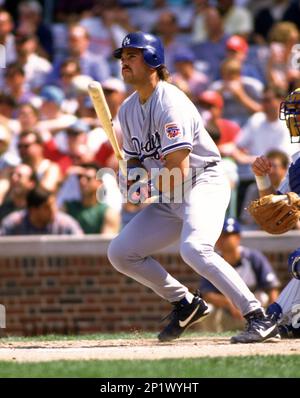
(198, 223)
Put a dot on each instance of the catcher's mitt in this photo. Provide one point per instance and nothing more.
(276, 214)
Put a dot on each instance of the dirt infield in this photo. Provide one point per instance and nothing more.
(140, 349)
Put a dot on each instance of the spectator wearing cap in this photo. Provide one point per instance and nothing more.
(76, 136)
(52, 117)
(211, 108)
(251, 265)
(36, 68)
(115, 91)
(52, 98)
(56, 126)
(187, 77)
(238, 48)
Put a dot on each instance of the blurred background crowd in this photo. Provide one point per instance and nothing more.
(236, 60)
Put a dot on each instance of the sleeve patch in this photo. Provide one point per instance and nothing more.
(172, 131)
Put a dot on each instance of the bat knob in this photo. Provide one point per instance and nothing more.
(94, 85)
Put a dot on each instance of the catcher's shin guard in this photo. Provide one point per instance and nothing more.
(294, 264)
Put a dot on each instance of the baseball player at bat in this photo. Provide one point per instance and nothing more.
(286, 309)
(163, 129)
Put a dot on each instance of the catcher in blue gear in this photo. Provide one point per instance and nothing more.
(286, 309)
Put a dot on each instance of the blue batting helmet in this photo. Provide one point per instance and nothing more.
(294, 263)
(151, 45)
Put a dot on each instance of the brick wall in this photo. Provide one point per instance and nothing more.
(66, 285)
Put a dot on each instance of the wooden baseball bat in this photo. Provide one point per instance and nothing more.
(102, 110)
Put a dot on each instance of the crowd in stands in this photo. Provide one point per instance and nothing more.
(236, 60)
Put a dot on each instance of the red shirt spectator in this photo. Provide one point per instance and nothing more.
(211, 104)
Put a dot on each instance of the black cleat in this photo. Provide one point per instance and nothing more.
(182, 317)
(260, 327)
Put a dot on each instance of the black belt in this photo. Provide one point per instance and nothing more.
(212, 164)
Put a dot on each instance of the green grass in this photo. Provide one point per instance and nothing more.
(249, 366)
(106, 336)
(65, 337)
(240, 367)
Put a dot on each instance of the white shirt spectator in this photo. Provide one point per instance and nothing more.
(36, 71)
(238, 20)
(259, 136)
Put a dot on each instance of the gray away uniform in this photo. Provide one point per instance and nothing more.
(167, 122)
